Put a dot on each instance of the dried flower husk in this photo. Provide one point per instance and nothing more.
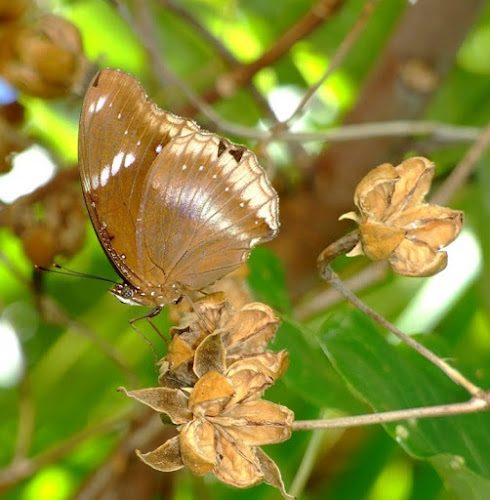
(45, 59)
(11, 141)
(397, 225)
(13, 9)
(222, 422)
(53, 225)
(213, 336)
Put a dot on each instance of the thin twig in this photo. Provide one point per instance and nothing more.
(226, 56)
(451, 372)
(53, 312)
(339, 56)
(315, 17)
(464, 168)
(25, 421)
(22, 468)
(371, 274)
(105, 475)
(315, 444)
(145, 31)
(474, 405)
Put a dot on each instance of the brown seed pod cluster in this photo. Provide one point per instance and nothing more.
(397, 225)
(42, 57)
(51, 225)
(212, 381)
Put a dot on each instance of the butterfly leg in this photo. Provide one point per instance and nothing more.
(148, 317)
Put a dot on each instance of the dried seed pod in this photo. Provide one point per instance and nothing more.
(214, 336)
(223, 421)
(54, 225)
(45, 59)
(397, 225)
(12, 10)
(213, 378)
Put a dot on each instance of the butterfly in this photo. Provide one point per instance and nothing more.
(174, 207)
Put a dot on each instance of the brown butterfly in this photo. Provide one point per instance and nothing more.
(174, 207)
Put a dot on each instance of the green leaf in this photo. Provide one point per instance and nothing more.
(310, 373)
(389, 378)
(268, 280)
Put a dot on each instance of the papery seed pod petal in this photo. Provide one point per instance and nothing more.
(351, 216)
(173, 402)
(272, 474)
(378, 240)
(374, 191)
(210, 355)
(271, 364)
(250, 329)
(250, 377)
(415, 177)
(437, 226)
(178, 352)
(197, 446)
(357, 250)
(413, 258)
(210, 394)
(257, 422)
(237, 463)
(165, 458)
(209, 311)
(437, 233)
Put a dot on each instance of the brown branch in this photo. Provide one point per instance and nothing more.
(337, 59)
(464, 168)
(226, 56)
(227, 84)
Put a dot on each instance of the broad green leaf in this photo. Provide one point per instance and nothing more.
(389, 378)
(310, 373)
(268, 280)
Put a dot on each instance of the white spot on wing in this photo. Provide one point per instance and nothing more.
(201, 168)
(95, 181)
(119, 116)
(91, 108)
(158, 148)
(184, 167)
(117, 162)
(100, 103)
(104, 175)
(129, 160)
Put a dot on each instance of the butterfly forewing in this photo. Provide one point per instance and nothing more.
(174, 207)
(210, 202)
(121, 133)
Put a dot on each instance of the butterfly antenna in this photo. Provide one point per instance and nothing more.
(70, 272)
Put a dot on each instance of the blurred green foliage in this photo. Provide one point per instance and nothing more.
(338, 361)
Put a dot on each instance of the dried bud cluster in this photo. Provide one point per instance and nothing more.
(12, 140)
(44, 58)
(55, 225)
(397, 225)
(212, 380)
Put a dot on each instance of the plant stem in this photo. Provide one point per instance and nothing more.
(474, 405)
(451, 372)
